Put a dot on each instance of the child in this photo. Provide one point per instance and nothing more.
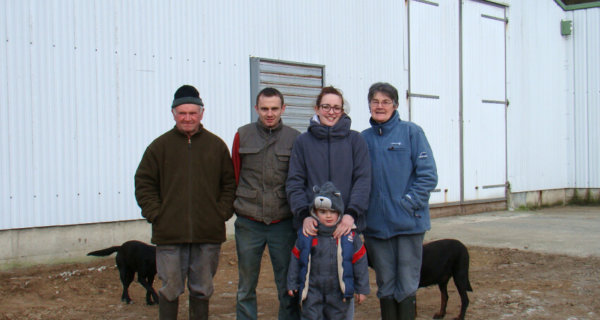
(325, 271)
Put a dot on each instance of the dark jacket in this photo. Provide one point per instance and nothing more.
(263, 155)
(335, 154)
(329, 264)
(404, 174)
(185, 187)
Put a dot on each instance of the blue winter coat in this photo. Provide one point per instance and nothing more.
(335, 154)
(404, 174)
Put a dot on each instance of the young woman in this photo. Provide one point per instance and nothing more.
(329, 151)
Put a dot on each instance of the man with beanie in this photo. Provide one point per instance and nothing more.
(261, 152)
(185, 187)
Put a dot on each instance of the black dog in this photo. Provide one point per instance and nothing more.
(134, 256)
(443, 259)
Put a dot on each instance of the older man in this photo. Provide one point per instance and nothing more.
(185, 186)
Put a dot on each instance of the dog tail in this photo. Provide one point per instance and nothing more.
(104, 252)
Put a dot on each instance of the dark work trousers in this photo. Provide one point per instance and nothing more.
(195, 261)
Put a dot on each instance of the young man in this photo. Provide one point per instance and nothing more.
(261, 153)
(185, 185)
(324, 271)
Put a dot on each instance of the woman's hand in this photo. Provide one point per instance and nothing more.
(359, 298)
(344, 227)
(309, 226)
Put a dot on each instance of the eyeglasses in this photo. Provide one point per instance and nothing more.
(385, 103)
(327, 108)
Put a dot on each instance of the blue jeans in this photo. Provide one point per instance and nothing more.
(397, 264)
(251, 237)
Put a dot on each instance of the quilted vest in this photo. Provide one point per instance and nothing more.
(265, 155)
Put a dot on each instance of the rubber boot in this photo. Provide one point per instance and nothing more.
(167, 310)
(407, 308)
(198, 309)
(389, 308)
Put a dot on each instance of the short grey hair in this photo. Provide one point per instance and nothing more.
(385, 88)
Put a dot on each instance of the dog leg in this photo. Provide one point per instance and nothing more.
(154, 296)
(464, 300)
(151, 283)
(444, 296)
(126, 279)
(462, 283)
(150, 293)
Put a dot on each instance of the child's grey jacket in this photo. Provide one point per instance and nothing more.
(320, 285)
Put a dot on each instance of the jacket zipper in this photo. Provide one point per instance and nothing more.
(189, 215)
(329, 153)
(381, 141)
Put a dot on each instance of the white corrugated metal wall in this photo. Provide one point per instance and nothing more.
(86, 85)
(538, 90)
(586, 46)
(553, 88)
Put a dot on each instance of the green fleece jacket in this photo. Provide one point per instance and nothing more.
(186, 187)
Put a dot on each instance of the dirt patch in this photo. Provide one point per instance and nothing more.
(508, 284)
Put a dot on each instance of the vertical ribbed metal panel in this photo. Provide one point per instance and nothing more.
(20, 119)
(434, 74)
(540, 116)
(45, 114)
(586, 41)
(593, 27)
(6, 191)
(580, 100)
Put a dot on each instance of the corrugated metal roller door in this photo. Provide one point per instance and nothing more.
(299, 83)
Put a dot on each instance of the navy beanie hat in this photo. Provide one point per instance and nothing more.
(186, 94)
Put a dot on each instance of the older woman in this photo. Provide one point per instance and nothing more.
(329, 151)
(404, 174)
